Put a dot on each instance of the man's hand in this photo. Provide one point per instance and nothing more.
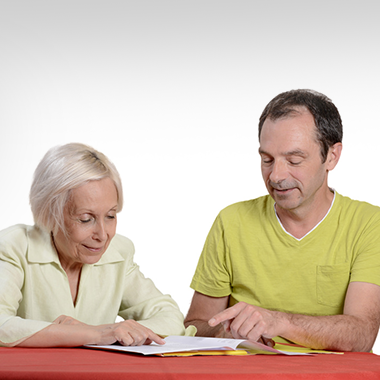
(245, 321)
(354, 330)
(203, 308)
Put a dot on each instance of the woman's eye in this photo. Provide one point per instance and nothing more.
(85, 220)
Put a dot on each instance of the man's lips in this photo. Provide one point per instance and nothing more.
(283, 191)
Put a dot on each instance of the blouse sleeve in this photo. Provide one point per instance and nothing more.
(13, 329)
(143, 302)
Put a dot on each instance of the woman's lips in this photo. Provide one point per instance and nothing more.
(93, 249)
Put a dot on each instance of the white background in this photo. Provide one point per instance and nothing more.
(171, 92)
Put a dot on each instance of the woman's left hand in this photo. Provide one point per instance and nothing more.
(65, 320)
(127, 333)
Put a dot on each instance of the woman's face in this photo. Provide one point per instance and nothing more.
(90, 222)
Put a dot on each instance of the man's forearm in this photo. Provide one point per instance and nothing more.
(204, 329)
(335, 332)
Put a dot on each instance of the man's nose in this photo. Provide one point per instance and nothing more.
(279, 172)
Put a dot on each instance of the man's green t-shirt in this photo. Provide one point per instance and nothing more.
(250, 257)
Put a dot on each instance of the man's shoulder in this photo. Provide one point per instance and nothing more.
(257, 206)
(357, 215)
(353, 206)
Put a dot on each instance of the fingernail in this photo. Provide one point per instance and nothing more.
(211, 321)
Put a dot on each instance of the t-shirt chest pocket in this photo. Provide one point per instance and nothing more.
(332, 283)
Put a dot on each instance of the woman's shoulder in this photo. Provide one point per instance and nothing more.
(122, 245)
(120, 250)
(15, 240)
(15, 234)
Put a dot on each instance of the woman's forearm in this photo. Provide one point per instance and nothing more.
(61, 335)
(69, 334)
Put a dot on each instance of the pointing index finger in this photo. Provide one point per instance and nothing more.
(225, 315)
(157, 338)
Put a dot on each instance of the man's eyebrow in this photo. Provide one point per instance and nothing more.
(261, 151)
(295, 152)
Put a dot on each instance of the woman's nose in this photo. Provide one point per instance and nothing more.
(100, 232)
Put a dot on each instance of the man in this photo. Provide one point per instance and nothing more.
(302, 263)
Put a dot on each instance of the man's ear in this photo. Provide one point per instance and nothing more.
(333, 155)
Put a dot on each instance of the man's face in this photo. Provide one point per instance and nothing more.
(291, 162)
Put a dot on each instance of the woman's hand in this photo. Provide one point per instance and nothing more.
(65, 320)
(127, 333)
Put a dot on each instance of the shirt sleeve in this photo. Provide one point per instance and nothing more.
(212, 275)
(366, 266)
(13, 329)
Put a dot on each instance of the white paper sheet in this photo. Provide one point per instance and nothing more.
(191, 343)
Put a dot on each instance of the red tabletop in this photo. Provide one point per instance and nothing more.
(81, 363)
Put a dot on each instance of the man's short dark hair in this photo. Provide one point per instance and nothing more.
(326, 116)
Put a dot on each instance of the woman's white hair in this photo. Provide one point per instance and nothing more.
(62, 169)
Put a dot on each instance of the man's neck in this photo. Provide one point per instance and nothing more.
(300, 222)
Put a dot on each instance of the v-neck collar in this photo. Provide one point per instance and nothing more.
(299, 239)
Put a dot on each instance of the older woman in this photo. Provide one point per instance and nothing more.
(64, 280)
